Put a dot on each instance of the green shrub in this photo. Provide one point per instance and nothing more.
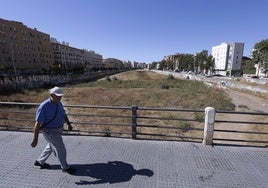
(115, 78)
(185, 126)
(165, 86)
(170, 77)
(108, 78)
(243, 106)
(107, 132)
(199, 116)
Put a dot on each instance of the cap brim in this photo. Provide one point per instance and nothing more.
(58, 94)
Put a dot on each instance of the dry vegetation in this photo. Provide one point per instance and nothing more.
(140, 88)
(143, 89)
(147, 89)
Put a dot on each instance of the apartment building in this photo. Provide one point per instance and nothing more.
(68, 59)
(27, 51)
(112, 63)
(228, 58)
(173, 58)
(23, 50)
(93, 60)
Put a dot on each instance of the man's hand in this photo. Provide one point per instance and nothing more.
(70, 127)
(36, 133)
(34, 143)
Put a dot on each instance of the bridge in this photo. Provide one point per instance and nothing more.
(138, 147)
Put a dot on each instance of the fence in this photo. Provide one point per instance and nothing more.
(206, 125)
(242, 128)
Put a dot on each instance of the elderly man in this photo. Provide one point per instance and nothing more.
(50, 117)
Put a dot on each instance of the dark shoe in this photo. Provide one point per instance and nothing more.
(69, 170)
(42, 166)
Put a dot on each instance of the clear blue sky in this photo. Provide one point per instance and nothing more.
(144, 30)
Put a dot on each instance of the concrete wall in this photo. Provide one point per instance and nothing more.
(32, 81)
(37, 81)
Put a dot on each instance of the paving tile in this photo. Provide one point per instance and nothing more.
(115, 162)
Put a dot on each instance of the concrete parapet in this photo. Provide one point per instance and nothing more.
(209, 126)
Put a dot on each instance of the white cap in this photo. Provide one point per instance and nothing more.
(56, 91)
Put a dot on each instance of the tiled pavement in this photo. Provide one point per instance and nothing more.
(115, 162)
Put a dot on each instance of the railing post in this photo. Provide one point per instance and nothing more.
(134, 121)
(209, 126)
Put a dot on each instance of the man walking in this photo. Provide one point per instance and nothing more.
(50, 117)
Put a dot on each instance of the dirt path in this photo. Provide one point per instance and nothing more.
(247, 103)
(244, 101)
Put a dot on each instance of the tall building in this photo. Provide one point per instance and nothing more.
(68, 59)
(112, 63)
(23, 50)
(228, 58)
(93, 60)
(174, 59)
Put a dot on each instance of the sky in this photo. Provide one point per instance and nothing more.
(144, 30)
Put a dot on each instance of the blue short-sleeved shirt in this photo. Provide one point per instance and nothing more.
(46, 111)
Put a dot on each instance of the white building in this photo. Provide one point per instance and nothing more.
(228, 58)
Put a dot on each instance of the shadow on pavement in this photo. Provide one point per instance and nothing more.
(111, 172)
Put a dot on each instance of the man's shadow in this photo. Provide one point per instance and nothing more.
(111, 172)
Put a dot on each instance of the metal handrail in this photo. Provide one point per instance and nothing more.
(134, 122)
(240, 112)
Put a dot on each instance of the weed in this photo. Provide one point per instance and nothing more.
(165, 86)
(170, 76)
(199, 116)
(108, 78)
(114, 78)
(107, 132)
(243, 106)
(184, 126)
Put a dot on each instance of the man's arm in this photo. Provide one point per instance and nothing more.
(36, 133)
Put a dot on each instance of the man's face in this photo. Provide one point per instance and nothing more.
(55, 98)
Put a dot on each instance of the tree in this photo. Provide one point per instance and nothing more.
(260, 55)
(200, 60)
(162, 65)
(170, 65)
(209, 64)
(186, 62)
(153, 65)
(248, 66)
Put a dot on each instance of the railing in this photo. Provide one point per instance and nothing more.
(148, 123)
(234, 127)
